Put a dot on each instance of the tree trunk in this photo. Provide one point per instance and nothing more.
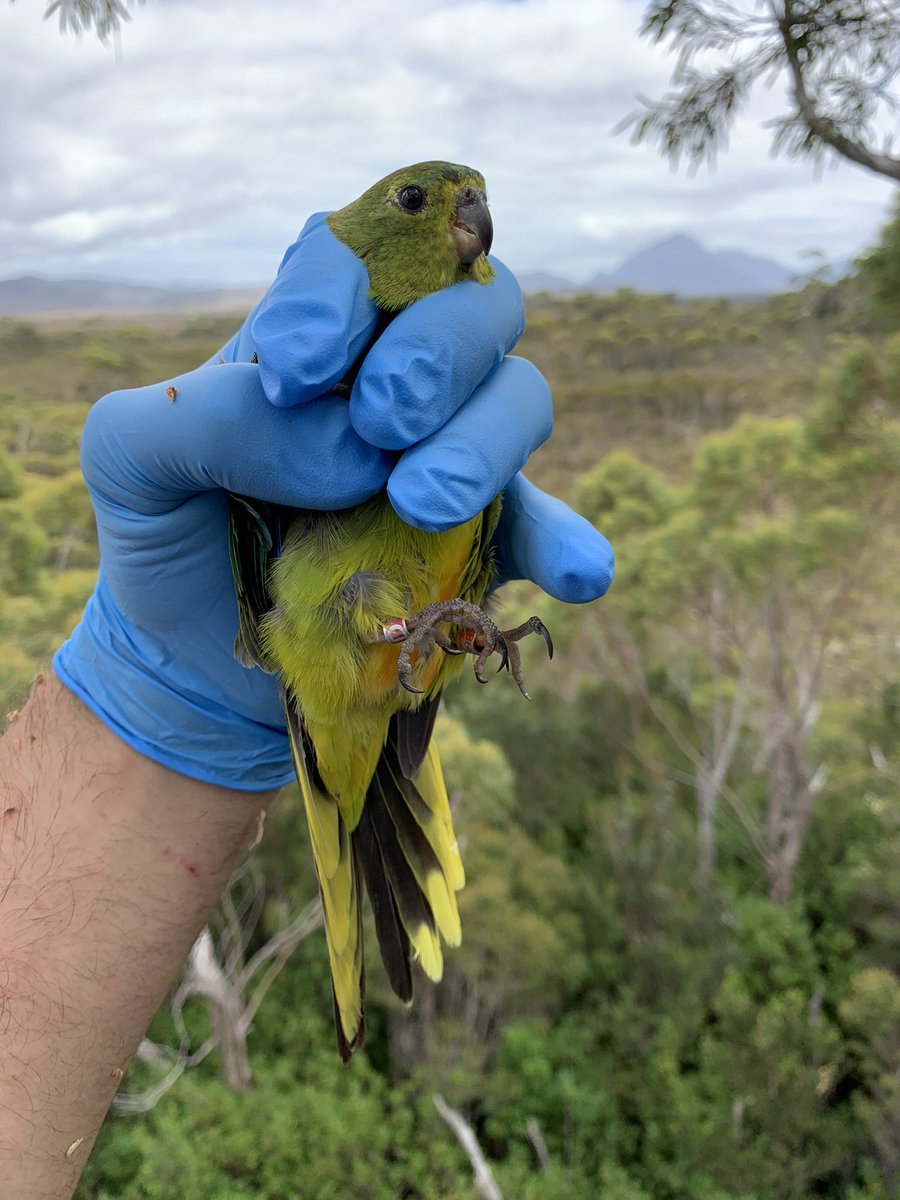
(707, 797)
(409, 1031)
(793, 790)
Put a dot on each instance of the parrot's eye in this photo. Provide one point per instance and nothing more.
(411, 198)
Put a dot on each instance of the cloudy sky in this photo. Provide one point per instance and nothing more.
(195, 154)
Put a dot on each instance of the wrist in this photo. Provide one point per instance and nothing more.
(138, 690)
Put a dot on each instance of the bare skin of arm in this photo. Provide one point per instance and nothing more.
(109, 868)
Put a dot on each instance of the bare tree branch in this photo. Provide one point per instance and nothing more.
(205, 977)
(533, 1129)
(465, 1135)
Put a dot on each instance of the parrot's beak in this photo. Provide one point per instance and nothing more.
(471, 229)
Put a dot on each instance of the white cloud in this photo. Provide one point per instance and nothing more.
(198, 153)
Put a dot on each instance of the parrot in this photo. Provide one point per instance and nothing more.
(365, 620)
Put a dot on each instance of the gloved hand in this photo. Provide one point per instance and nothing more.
(152, 656)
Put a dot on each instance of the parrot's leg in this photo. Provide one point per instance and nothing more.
(422, 630)
(477, 635)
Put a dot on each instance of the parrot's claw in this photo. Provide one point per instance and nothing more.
(486, 650)
(511, 636)
(532, 625)
(504, 655)
(476, 634)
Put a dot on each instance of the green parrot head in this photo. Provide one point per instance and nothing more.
(418, 230)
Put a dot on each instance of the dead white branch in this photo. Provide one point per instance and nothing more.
(465, 1135)
(533, 1129)
(205, 977)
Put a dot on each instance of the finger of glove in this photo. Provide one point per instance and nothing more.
(453, 474)
(149, 448)
(315, 320)
(432, 357)
(542, 539)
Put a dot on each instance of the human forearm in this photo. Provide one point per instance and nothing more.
(110, 865)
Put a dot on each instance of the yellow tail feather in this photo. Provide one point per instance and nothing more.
(427, 949)
(439, 829)
(341, 899)
(437, 878)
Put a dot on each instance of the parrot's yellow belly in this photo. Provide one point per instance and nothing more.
(341, 577)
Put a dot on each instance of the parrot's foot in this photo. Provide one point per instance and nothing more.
(422, 630)
(476, 634)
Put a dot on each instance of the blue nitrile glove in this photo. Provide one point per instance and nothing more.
(152, 655)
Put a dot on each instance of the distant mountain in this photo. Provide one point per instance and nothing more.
(677, 264)
(542, 281)
(35, 294)
(681, 265)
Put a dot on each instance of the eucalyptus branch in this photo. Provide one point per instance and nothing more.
(850, 49)
(106, 17)
(817, 124)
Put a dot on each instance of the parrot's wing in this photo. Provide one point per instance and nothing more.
(254, 539)
(413, 735)
(340, 885)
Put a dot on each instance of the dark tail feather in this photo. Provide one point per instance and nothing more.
(412, 906)
(410, 870)
(412, 731)
(392, 939)
(402, 801)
